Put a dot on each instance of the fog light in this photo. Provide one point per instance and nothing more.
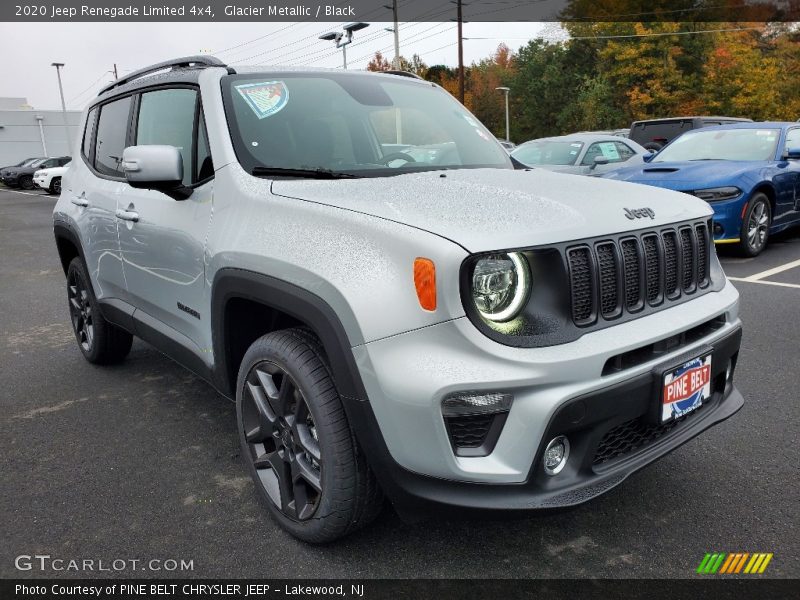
(718, 229)
(476, 404)
(555, 455)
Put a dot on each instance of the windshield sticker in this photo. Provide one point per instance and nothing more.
(609, 150)
(264, 99)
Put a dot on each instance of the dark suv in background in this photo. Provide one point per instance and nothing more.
(23, 176)
(654, 134)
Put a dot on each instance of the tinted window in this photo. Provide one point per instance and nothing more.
(624, 150)
(205, 166)
(609, 150)
(167, 117)
(793, 138)
(111, 134)
(86, 148)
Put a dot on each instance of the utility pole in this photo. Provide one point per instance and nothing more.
(63, 104)
(505, 91)
(460, 53)
(116, 76)
(396, 61)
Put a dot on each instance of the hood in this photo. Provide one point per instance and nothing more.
(682, 176)
(496, 209)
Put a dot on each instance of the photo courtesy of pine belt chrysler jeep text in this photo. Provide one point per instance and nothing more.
(396, 310)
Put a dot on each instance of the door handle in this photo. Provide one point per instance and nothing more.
(80, 200)
(127, 215)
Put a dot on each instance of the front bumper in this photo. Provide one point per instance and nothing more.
(41, 182)
(405, 378)
(728, 217)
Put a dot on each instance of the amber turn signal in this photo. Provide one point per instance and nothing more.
(425, 282)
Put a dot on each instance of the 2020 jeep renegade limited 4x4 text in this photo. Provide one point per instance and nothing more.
(395, 309)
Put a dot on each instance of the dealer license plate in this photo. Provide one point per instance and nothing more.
(686, 388)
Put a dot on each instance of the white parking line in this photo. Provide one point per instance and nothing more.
(19, 192)
(770, 272)
(778, 283)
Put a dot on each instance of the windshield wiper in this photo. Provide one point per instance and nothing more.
(319, 173)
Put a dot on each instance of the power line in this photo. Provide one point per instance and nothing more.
(89, 87)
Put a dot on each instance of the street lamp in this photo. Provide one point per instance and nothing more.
(63, 104)
(505, 91)
(343, 38)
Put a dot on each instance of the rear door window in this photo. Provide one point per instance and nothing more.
(112, 131)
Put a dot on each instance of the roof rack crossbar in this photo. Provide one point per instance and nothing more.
(175, 63)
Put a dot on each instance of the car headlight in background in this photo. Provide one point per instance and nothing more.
(718, 194)
(37, 173)
(500, 285)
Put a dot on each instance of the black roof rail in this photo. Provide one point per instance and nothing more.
(176, 63)
(403, 74)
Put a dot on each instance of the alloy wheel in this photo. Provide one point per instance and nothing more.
(282, 440)
(80, 309)
(57, 186)
(758, 226)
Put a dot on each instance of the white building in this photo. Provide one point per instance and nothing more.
(26, 132)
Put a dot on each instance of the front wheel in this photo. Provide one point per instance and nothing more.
(55, 186)
(99, 341)
(296, 440)
(755, 226)
(26, 182)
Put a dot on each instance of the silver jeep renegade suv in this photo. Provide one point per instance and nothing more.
(396, 309)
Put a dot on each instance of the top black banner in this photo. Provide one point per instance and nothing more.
(407, 10)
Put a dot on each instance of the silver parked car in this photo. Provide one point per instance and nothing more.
(580, 153)
(427, 325)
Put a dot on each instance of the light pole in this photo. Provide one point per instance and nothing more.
(63, 104)
(505, 91)
(343, 38)
(39, 119)
(396, 32)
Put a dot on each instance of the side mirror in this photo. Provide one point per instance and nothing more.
(598, 160)
(648, 157)
(791, 154)
(155, 168)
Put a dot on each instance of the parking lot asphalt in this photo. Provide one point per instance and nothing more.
(141, 460)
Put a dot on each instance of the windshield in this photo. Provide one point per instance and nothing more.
(36, 163)
(722, 144)
(548, 153)
(354, 124)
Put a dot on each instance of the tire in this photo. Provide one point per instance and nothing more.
(26, 182)
(755, 226)
(55, 186)
(99, 341)
(300, 434)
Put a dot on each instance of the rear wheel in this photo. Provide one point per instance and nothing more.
(298, 445)
(55, 186)
(755, 226)
(26, 182)
(99, 341)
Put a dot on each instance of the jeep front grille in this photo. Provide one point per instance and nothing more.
(623, 275)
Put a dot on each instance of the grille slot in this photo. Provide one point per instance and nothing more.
(581, 285)
(607, 265)
(671, 264)
(687, 261)
(630, 260)
(615, 276)
(652, 266)
(702, 255)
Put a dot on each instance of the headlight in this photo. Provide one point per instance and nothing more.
(500, 286)
(37, 174)
(717, 194)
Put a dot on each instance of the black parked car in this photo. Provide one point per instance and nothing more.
(654, 134)
(22, 176)
(22, 163)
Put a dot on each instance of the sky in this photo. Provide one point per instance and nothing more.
(89, 50)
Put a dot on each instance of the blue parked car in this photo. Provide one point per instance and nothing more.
(748, 172)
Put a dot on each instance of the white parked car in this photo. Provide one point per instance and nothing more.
(50, 179)
(580, 153)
